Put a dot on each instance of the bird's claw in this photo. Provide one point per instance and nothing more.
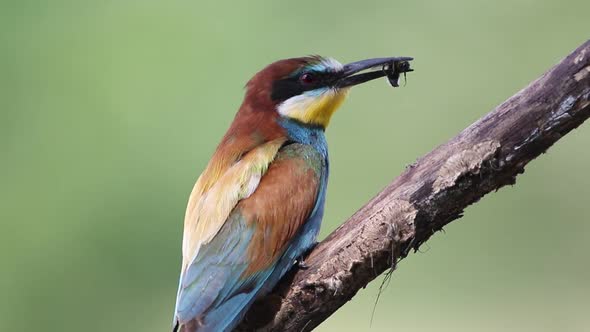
(301, 264)
(301, 261)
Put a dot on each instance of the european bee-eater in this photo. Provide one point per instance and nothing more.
(257, 206)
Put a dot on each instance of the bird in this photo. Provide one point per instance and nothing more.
(257, 206)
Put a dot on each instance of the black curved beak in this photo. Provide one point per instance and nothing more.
(390, 67)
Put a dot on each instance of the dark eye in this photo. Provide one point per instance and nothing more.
(403, 66)
(307, 78)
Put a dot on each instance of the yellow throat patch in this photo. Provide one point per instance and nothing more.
(312, 107)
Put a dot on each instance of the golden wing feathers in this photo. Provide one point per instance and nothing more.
(217, 192)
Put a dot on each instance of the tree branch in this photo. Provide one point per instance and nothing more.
(431, 193)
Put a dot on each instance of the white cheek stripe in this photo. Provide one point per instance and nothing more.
(296, 104)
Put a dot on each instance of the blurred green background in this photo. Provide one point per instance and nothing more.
(110, 109)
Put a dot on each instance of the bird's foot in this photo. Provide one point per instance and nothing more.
(301, 264)
(301, 260)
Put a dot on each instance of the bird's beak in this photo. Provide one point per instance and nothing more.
(390, 67)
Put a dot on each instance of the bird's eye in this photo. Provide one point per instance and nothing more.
(307, 78)
(403, 66)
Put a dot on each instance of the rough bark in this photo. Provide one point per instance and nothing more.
(429, 194)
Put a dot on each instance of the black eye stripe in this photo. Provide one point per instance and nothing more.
(291, 86)
(286, 88)
(318, 76)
